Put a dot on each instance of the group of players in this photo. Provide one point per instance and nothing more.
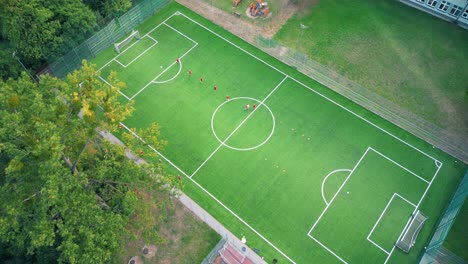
(247, 106)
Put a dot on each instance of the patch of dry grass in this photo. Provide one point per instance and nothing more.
(182, 237)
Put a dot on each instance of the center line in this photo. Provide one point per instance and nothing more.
(237, 128)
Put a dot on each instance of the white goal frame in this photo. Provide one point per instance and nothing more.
(407, 240)
(118, 46)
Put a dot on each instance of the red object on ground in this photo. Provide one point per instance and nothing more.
(178, 177)
(228, 97)
(254, 106)
(201, 79)
(141, 152)
(120, 126)
(177, 60)
(190, 72)
(215, 88)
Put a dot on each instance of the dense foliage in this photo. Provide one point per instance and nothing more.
(36, 29)
(66, 193)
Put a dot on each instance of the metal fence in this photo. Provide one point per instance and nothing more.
(434, 251)
(116, 29)
(214, 252)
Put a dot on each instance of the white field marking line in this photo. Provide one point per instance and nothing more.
(406, 230)
(151, 38)
(123, 51)
(152, 81)
(180, 67)
(417, 206)
(147, 34)
(377, 245)
(404, 168)
(213, 197)
(213, 130)
(163, 22)
(104, 80)
(139, 55)
(237, 128)
(243, 221)
(346, 109)
(109, 62)
(380, 217)
(325, 179)
(328, 205)
(167, 25)
(121, 64)
(341, 187)
(144, 87)
(170, 66)
(173, 77)
(151, 147)
(329, 250)
(133, 44)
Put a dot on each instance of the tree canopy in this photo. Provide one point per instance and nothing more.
(37, 29)
(66, 193)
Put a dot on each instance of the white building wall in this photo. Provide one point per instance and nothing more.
(452, 10)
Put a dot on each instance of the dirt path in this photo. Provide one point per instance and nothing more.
(237, 26)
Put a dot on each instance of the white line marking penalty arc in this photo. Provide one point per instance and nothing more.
(325, 179)
(177, 74)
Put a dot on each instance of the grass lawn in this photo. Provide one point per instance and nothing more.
(184, 238)
(409, 57)
(306, 175)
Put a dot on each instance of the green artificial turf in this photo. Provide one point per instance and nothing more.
(263, 173)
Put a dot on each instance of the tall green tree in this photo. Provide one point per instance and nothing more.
(39, 28)
(108, 7)
(9, 65)
(66, 193)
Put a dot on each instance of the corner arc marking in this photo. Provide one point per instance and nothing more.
(325, 179)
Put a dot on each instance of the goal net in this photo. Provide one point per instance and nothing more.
(118, 46)
(408, 239)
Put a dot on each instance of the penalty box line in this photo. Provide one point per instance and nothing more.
(415, 209)
(212, 196)
(238, 127)
(142, 53)
(344, 183)
(170, 66)
(139, 55)
(380, 217)
(328, 205)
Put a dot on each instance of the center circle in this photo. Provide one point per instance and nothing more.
(260, 104)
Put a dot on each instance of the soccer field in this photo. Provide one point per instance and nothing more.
(306, 175)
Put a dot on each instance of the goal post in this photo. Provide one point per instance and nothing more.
(118, 46)
(406, 242)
